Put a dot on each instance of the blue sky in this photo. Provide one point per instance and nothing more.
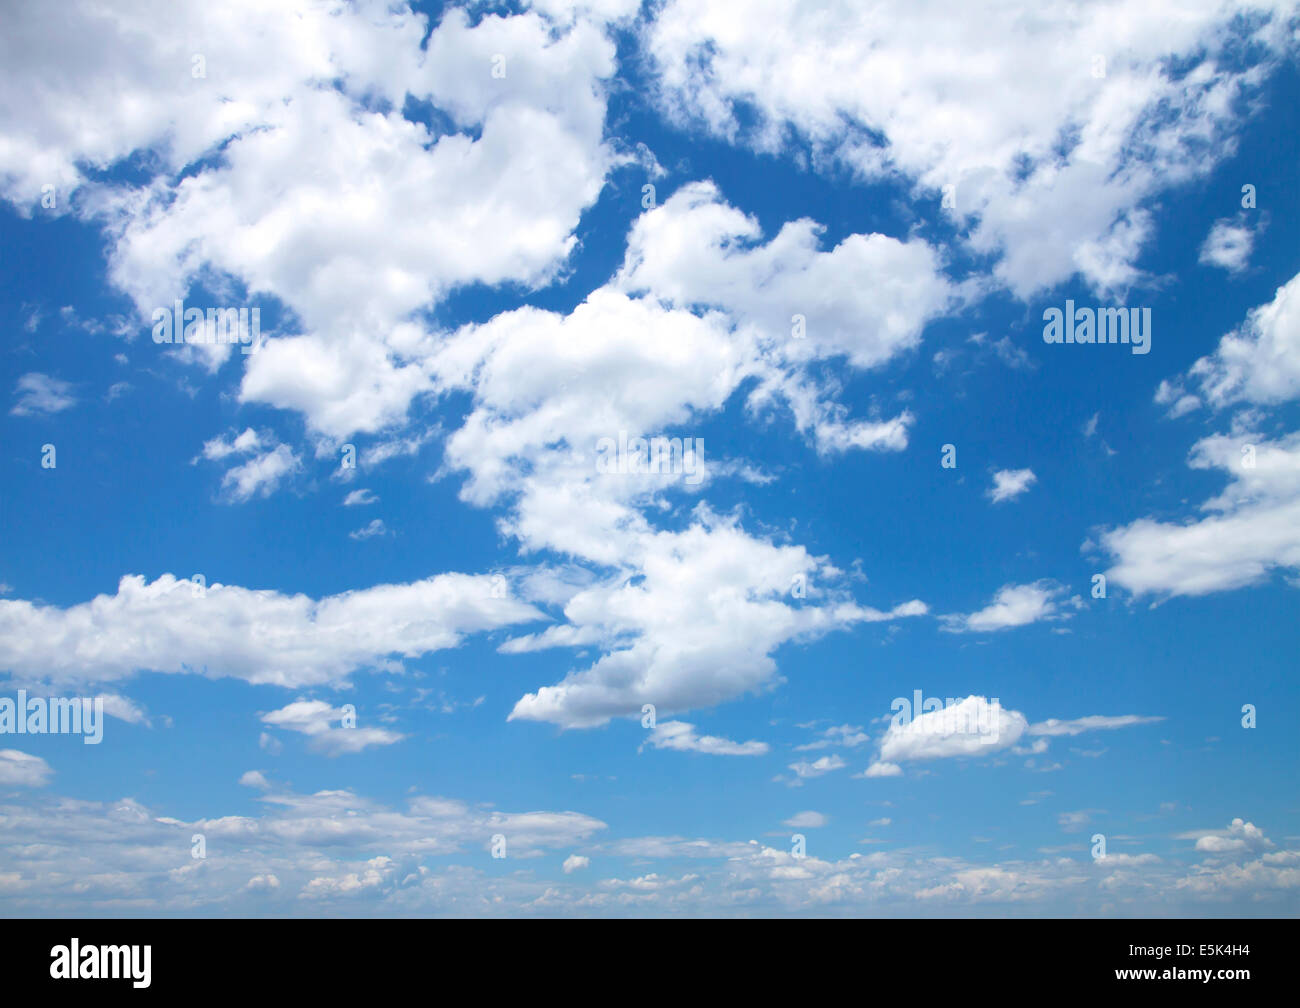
(442, 218)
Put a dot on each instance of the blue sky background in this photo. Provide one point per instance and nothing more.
(131, 494)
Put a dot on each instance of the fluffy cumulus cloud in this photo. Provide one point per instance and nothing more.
(1252, 528)
(1013, 606)
(263, 464)
(330, 730)
(1228, 245)
(1051, 130)
(697, 250)
(1239, 837)
(1247, 532)
(20, 769)
(689, 617)
(682, 736)
(216, 630)
(971, 727)
(363, 173)
(711, 605)
(392, 215)
(975, 726)
(1009, 484)
(1259, 363)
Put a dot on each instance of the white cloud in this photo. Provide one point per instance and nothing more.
(324, 726)
(267, 463)
(360, 498)
(246, 443)
(818, 767)
(20, 769)
(1014, 113)
(1011, 483)
(806, 820)
(849, 736)
(391, 218)
(697, 250)
(682, 736)
(1239, 837)
(341, 851)
(574, 862)
(1094, 722)
(1228, 245)
(1073, 822)
(1013, 606)
(375, 527)
(261, 475)
(170, 625)
(1260, 361)
(1252, 528)
(255, 779)
(974, 726)
(39, 394)
(698, 629)
(124, 709)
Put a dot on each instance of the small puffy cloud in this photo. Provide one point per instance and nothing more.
(682, 736)
(1227, 245)
(806, 820)
(806, 770)
(323, 726)
(20, 769)
(1011, 483)
(360, 498)
(260, 475)
(39, 394)
(266, 463)
(881, 769)
(1013, 606)
(255, 779)
(1239, 837)
(243, 444)
(267, 882)
(574, 862)
(973, 726)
